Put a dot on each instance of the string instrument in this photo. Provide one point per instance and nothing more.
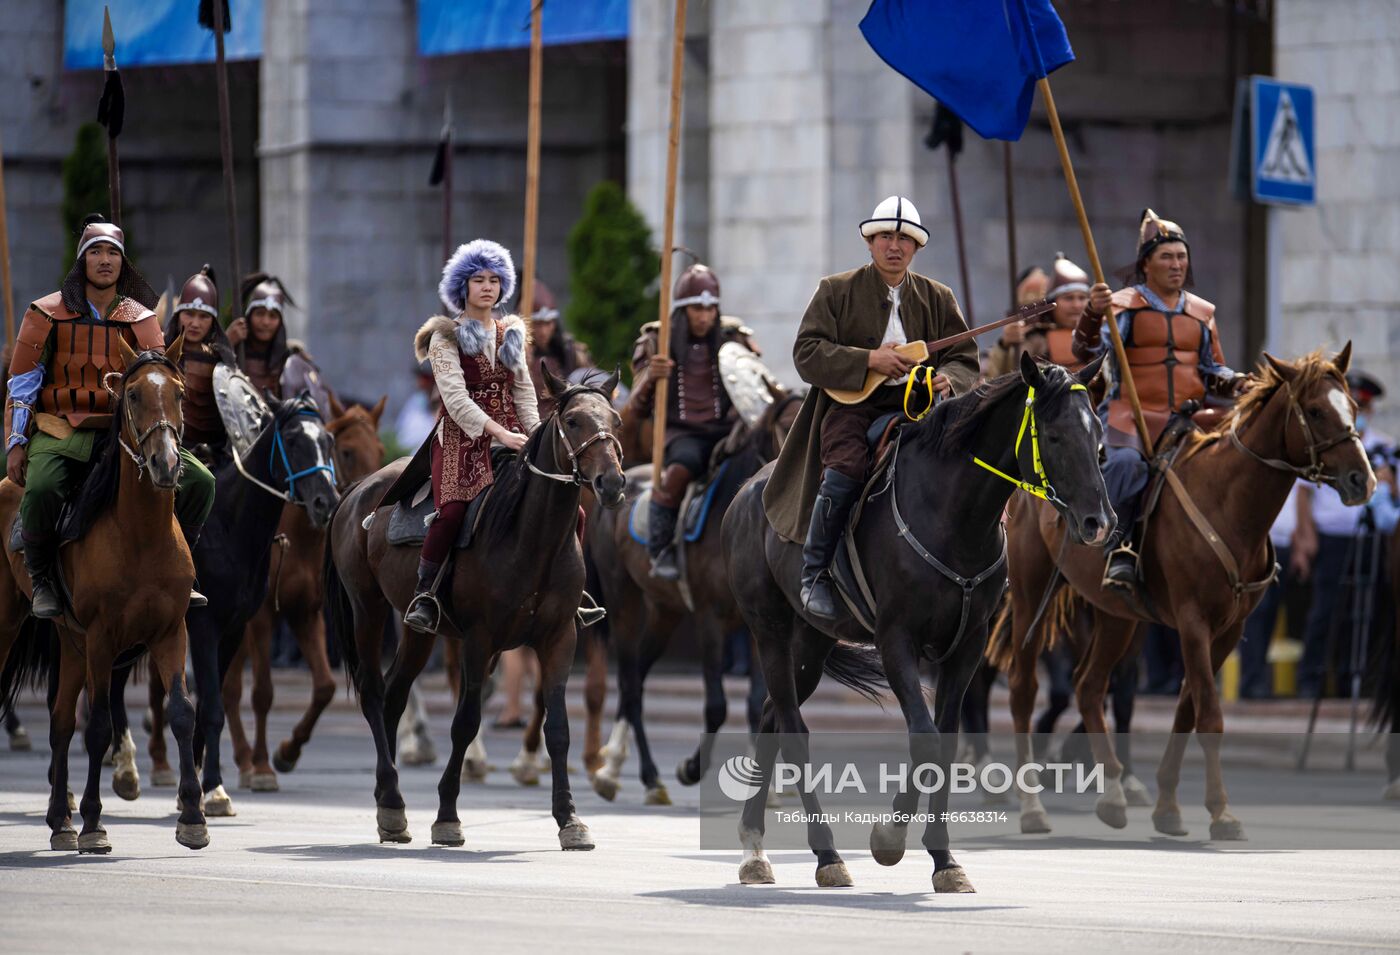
(920, 351)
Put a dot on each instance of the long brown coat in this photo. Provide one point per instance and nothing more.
(845, 320)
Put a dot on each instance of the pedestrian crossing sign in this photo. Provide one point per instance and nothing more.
(1283, 144)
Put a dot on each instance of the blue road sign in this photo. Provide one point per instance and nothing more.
(1283, 142)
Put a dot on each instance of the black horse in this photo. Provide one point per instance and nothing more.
(289, 462)
(938, 499)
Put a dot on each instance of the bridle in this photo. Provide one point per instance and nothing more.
(137, 455)
(575, 477)
(278, 454)
(1314, 471)
(1044, 490)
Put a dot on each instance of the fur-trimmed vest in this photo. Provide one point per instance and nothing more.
(462, 354)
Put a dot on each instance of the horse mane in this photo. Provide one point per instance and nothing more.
(1312, 368)
(955, 424)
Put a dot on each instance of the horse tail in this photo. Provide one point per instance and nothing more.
(1000, 645)
(1056, 621)
(31, 659)
(859, 668)
(338, 612)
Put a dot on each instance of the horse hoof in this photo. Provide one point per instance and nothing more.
(1113, 814)
(657, 796)
(952, 879)
(834, 876)
(605, 786)
(887, 843)
(94, 843)
(475, 771)
(417, 753)
(393, 825)
(217, 802)
(1169, 823)
(1135, 792)
(448, 834)
(163, 777)
(264, 783)
(245, 779)
(687, 773)
(525, 773)
(1392, 792)
(575, 836)
(1227, 829)
(20, 741)
(1035, 821)
(64, 840)
(282, 763)
(127, 785)
(756, 872)
(192, 836)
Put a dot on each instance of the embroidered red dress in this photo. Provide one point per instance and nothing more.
(462, 465)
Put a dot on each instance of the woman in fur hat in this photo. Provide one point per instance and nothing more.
(478, 363)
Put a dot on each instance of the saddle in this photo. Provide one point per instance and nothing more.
(694, 511)
(410, 500)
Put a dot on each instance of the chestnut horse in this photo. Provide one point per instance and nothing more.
(294, 595)
(518, 584)
(115, 613)
(1296, 420)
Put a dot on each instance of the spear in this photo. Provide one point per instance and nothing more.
(111, 113)
(948, 131)
(442, 174)
(215, 16)
(5, 257)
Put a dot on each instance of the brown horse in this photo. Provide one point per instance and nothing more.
(115, 613)
(294, 594)
(518, 584)
(1296, 420)
(644, 612)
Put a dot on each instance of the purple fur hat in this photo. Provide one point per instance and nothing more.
(478, 255)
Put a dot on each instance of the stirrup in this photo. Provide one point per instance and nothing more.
(664, 565)
(1108, 581)
(197, 599)
(590, 614)
(424, 597)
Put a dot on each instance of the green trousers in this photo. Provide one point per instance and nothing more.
(56, 471)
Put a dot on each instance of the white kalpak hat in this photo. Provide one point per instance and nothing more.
(896, 214)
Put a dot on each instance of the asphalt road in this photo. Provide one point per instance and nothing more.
(300, 870)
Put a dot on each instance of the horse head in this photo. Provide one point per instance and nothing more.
(358, 450)
(1320, 440)
(1066, 437)
(147, 397)
(302, 456)
(583, 432)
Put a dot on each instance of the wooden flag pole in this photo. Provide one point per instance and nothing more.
(5, 258)
(447, 179)
(532, 160)
(226, 148)
(958, 233)
(1125, 375)
(1010, 222)
(658, 425)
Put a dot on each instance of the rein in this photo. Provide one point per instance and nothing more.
(575, 477)
(1314, 472)
(279, 449)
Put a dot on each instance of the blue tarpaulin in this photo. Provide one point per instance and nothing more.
(472, 26)
(156, 32)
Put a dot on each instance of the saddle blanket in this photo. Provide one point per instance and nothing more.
(695, 510)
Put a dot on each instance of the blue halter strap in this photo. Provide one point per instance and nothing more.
(279, 450)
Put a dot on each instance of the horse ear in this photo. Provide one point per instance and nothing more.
(337, 409)
(556, 386)
(609, 387)
(1090, 371)
(1284, 369)
(176, 349)
(127, 352)
(1343, 359)
(1030, 371)
(378, 409)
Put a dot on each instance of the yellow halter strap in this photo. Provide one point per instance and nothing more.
(927, 382)
(1043, 490)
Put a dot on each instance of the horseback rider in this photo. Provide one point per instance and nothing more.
(267, 357)
(551, 343)
(58, 404)
(1174, 352)
(853, 325)
(1052, 340)
(478, 362)
(196, 316)
(699, 412)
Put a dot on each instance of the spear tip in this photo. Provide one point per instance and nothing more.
(109, 42)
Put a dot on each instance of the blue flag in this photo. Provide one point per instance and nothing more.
(980, 58)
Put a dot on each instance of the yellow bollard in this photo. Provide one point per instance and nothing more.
(1230, 678)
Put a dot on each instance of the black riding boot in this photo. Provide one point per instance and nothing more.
(40, 555)
(661, 539)
(1121, 570)
(832, 507)
(424, 612)
(197, 599)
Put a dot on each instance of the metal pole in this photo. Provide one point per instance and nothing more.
(226, 145)
(1010, 222)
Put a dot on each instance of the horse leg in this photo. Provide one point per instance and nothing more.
(65, 686)
(525, 768)
(466, 723)
(1112, 639)
(98, 738)
(232, 693)
(712, 640)
(953, 679)
(412, 656)
(556, 655)
(390, 815)
(1023, 681)
(595, 695)
(161, 773)
(901, 665)
(1166, 817)
(413, 745)
(126, 778)
(19, 736)
(310, 630)
(167, 668)
(758, 692)
(1202, 658)
(204, 654)
(1122, 701)
(655, 635)
(625, 623)
(262, 778)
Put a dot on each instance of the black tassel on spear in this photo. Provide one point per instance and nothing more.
(206, 15)
(111, 113)
(216, 19)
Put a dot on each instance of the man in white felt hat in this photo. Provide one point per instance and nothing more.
(853, 324)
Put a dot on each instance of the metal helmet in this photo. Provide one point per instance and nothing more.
(546, 306)
(199, 293)
(698, 285)
(1066, 277)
